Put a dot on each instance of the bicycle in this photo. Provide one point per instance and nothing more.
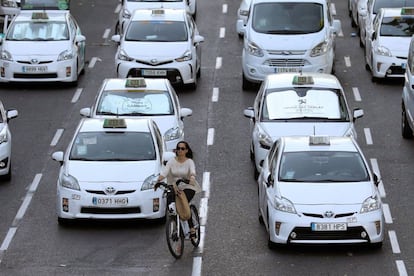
(176, 229)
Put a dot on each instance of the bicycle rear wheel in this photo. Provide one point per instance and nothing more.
(175, 237)
(196, 223)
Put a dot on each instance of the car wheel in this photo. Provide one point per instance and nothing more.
(246, 85)
(65, 222)
(8, 175)
(406, 130)
(198, 73)
(375, 246)
(251, 152)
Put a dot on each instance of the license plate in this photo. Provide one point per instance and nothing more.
(34, 69)
(110, 201)
(287, 69)
(340, 226)
(147, 72)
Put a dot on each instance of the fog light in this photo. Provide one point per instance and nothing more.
(389, 71)
(2, 72)
(155, 204)
(3, 165)
(379, 66)
(68, 71)
(378, 226)
(65, 204)
(363, 234)
(252, 71)
(293, 235)
(277, 227)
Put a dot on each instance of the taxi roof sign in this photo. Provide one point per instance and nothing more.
(135, 83)
(39, 15)
(45, 4)
(114, 123)
(158, 11)
(407, 11)
(302, 80)
(319, 140)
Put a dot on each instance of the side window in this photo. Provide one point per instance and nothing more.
(273, 157)
(160, 141)
(410, 60)
(258, 102)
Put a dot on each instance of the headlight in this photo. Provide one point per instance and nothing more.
(383, 51)
(69, 182)
(264, 139)
(253, 49)
(6, 55)
(320, 49)
(370, 204)
(284, 205)
(173, 133)
(186, 56)
(9, 3)
(65, 55)
(3, 136)
(149, 182)
(122, 55)
(126, 14)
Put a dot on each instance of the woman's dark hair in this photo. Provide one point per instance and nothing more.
(189, 153)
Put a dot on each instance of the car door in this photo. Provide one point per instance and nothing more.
(79, 46)
(195, 46)
(257, 108)
(371, 40)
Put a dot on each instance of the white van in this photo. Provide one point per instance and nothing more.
(407, 104)
(287, 36)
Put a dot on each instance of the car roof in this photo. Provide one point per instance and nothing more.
(159, 14)
(27, 15)
(286, 80)
(302, 143)
(121, 84)
(119, 125)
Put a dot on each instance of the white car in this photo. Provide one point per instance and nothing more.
(142, 98)
(6, 141)
(242, 14)
(9, 7)
(407, 100)
(275, 41)
(42, 46)
(129, 6)
(161, 43)
(386, 47)
(319, 190)
(109, 169)
(297, 104)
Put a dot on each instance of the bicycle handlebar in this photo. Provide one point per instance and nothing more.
(165, 185)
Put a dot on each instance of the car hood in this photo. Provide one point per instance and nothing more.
(277, 129)
(152, 50)
(99, 171)
(397, 45)
(43, 48)
(302, 42)
(326, 193)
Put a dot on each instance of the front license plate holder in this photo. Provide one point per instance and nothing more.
(34, 69)
(150, 72)
(110, 201)
(336, 226)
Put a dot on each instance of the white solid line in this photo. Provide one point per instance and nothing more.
(92, 62)
(206, 184)
(394, 242)
(210, 136)
(376, 170)
(368, 136)
(106, 33)
(357, 96)
(333, 9)
(387, 213)
(218, 62)
(196, 266)
(8, 238)
(77, 94)
(57, 136)
(203, 210)
(214, 97)
(224, 9)
(340, 34)
(35, 183)
(23, 207)
(401, 268)
(347, 61)
(118, 8)
(222, 32)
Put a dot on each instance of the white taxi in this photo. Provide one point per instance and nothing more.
(160, 43)
(142, 98)
(6, 141)
(129, 6)
(242, 14)
(319, 190)
(298, 104)
(42, 46)
(387, 45)
(109, 169)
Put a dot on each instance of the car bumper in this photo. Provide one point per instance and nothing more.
(361, 228)
(388, 67)
(5, 152)
(62, 71)
(176, 72)
(73, 204)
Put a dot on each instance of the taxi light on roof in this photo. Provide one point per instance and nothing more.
(302, 80)
(137, 82)
(114, 123)
(407, 11)
(319, 140)
(39, 15)
(158, 12)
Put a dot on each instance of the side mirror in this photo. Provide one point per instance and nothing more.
(58, 156)
(167, 155)
(336, 26)
(358, 113)
(80, 38)
(198, 39)
(185, 112)
(249, 113)
(241, 26)
(11, 113)
(116, 38)
(85, 112)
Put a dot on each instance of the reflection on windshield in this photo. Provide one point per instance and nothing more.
(157, 31)
(397, 26)
(34, 31)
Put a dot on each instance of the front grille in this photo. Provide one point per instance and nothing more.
(110, 211)
(35, 76)
(396, 70)
(335, 216)
(284, 52)
(29, 62)
(154, 64)
(352, 233)
(285, 62)
(100, 192)
(173, 75)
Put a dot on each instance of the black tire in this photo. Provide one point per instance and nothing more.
(246, 84)
(65, 222)
(375, 246)
(196, 223)
(8, 175)
(406, 130)
(175, 237)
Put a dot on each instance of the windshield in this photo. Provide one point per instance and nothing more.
(299, 103)
(322, 166)
(397, 26)
(113, 146)
(288, 18)
(391, 4)
(32, 31)
(135, 103)
(157, 31)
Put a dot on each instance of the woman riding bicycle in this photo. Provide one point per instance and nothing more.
(181, 167)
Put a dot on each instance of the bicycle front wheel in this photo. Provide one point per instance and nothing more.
(175, 237)
(196, 223)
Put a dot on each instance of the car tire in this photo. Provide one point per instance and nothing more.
(8, 175)
(375, 246)
(246, 84)
(64, 222)
(406, 130)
